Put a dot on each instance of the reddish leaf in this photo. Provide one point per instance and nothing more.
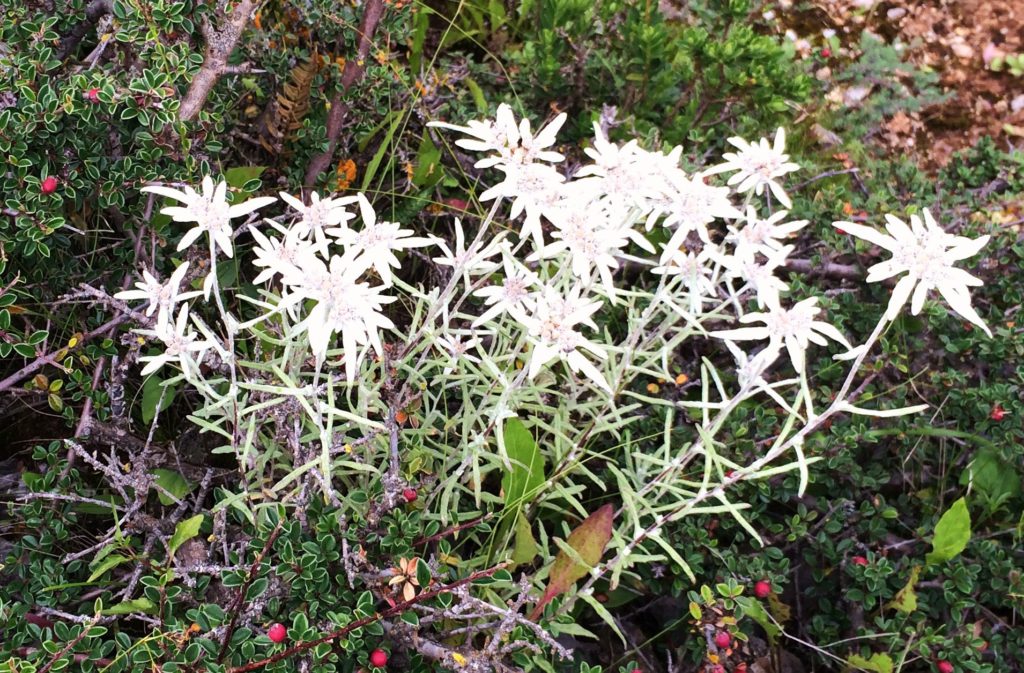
(588, 540)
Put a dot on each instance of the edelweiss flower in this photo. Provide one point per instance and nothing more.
(690, 205)
(318, 216)
(589, 241)
(513, 296)
(514, 143)
(345, 305)
(927, 254)
(759, 275)
(469, 262)
(624, 174)
(378, 241)
(457, 350)
(178, 341)
(696, 272)
(161, 296)
(794, 328)
(762, 236)
(758, 164)
(552, 331)
(533, 188)
(209, 210)
(285, 256)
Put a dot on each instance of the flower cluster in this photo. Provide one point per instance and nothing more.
(587, 223)
(331, 268)
(318, 258)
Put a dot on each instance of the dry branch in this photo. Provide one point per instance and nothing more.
(354, 69)
(219, 45)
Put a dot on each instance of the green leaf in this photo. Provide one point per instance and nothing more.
(151, 390)
(382, 151)
(428, 164)
(137, 605)
(755, 610)
(238, 176)
(992, 476)
(422, 573)
(526, 475)
(525, 549)
(106, 564)
(185, 531)
(173, 483)
(906, 598)
(587, 541)
(952, 533)
(879, 662)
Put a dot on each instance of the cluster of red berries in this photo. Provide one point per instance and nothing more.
(277, 633)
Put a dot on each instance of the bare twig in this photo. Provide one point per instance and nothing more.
(373, 10)
(396, 609)
(236, 607)
(93, 12)
(48, 358)
(219, 45)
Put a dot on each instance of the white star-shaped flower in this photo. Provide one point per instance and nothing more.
(762, 236)
(552, 330)
(535, 189)
(377, 241)
(512, 142)
(757, 165)
(344, 305)
(209, 210)
(285, 256)
(690, 205)
(457, 349)
(513, 295)
(179, 341)
(696, 272)
(795, 328)
(759, 274)
(318, 216)
(161, 296)
(926, 254)
(469, 262)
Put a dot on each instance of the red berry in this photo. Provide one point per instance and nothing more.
(93, 95)
(763, 589)
(826, 52)
(409, 494)
(944, 666)
(723, 639)
(998, 413)
(637, 670)
(49, 185)
(379, 658)
(277, 633)
(860, 560)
